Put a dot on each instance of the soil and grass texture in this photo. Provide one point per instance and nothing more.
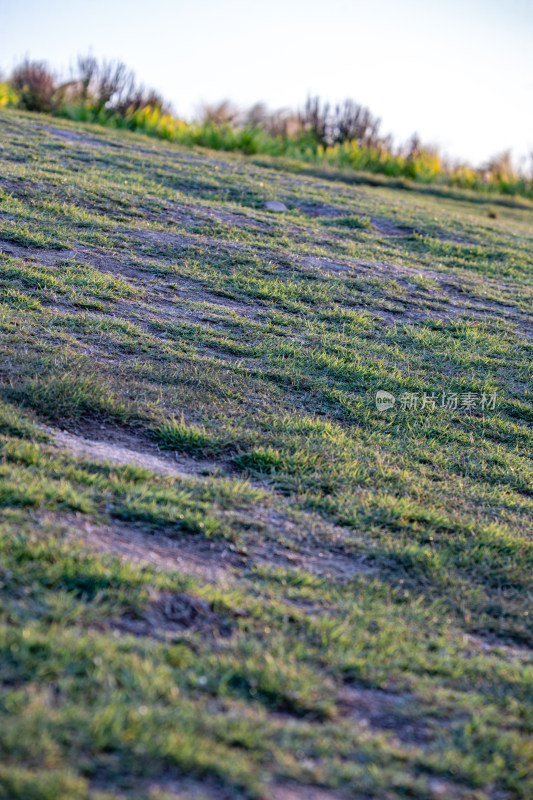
(225, 571)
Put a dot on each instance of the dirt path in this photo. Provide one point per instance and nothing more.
(281, 540)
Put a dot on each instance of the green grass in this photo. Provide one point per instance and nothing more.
(192, 439)
(147, 297)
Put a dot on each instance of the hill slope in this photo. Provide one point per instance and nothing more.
(225, 572)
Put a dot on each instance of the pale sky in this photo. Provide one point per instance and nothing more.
(459, 73)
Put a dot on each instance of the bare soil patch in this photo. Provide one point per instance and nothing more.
(385, 711)
(321, 210)
(170, 613)
(492, 644)
(119, 446)
(215, 560)
(276, 539)
(50, 258)
(167, 785)
(212, 560)
(241, 220)
(388, 228)
(73, 136)
(46, 257)
(308, 544)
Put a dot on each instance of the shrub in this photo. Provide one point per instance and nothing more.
(100, 91)
(347, 122)
(224, 113)
(500, 167)
(34, 85)
(314, 120)
(354, 123)
(8, 96)
(103, 83)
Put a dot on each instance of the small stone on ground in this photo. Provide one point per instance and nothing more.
(275, 205)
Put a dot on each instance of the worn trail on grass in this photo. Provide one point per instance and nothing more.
(212, 560)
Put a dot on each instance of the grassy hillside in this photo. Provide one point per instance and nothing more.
(225, 572)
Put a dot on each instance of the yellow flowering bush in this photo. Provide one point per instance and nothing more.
(8, 96)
